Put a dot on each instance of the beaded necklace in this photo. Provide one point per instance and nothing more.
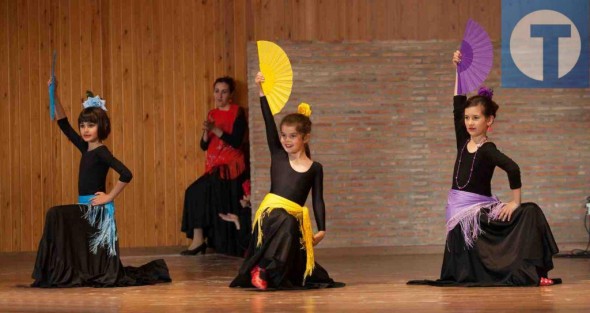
(478, 145)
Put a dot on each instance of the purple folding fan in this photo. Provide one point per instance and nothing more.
(477, 56)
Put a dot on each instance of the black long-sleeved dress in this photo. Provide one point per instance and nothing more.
(511, 253)
(281, 255)
(64, 258)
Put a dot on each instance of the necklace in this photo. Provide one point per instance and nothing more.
(478, 145)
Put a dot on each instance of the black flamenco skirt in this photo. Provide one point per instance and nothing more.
(514, 253)
(204, 200)
(281, 257)
(64, 258)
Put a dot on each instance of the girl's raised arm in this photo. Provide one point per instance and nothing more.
(64, 125)
(456, 61)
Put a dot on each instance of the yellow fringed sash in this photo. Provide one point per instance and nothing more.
(271, 202)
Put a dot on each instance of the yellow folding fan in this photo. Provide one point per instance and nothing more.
(278, 75)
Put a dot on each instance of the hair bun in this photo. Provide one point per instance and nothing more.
(304, 109)
(486, 92)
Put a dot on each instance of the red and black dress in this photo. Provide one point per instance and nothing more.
(219, 190)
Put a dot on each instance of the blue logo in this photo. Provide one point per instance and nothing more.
(545, 44)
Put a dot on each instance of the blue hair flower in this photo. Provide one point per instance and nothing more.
(94, 102)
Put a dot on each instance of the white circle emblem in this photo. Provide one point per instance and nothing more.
(527, 52)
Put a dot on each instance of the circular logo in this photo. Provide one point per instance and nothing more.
(527, 52)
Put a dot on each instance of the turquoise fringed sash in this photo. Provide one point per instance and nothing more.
(102, 217)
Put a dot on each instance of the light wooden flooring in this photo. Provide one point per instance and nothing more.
(375, 280)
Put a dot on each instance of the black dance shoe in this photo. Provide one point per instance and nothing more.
(202, 248)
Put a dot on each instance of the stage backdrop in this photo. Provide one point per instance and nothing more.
(154, 62)
(383, 130)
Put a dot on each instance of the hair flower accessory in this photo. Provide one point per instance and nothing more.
(94, 101)
(304, 109)
(486, 92)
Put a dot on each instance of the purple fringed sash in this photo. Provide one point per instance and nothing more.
(465, 208)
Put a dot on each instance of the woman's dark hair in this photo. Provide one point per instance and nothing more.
(231, 83)
(302, 126)
(99, 117)
(489, 106)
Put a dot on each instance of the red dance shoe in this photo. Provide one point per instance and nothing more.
(256, 280)
(546, 282)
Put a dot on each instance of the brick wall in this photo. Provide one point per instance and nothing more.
(383, 130)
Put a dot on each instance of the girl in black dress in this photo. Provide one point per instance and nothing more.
(280, 254)
(79, 246)
(490, 243)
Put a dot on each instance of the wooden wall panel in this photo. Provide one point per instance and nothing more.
(35, 83)
(172, 203)
(128, 237)
(148, 125)
(14, 133)
(45, 147)
(178, 154)
(157, 118)
(137, 163)
(240, 37)
(5, 153)
(33, 223)
(154, 62)
(23, 121)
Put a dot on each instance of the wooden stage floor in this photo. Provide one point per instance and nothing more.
(375, 280)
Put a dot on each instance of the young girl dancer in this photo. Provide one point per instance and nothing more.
(280, 255)
(490, 243)
(79, 246)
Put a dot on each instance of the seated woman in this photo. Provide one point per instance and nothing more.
(489, 243)
(213, 216)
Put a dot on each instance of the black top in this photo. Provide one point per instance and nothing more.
(237, 135)
(488, 157)
(94, 164)
(285, 181)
